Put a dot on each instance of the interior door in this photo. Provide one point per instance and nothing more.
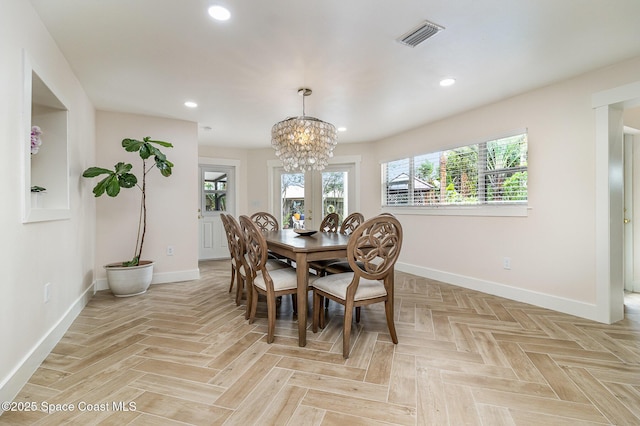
(216, 196)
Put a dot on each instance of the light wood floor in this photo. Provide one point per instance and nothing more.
(183, 354)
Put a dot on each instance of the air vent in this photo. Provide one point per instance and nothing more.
(419, 34)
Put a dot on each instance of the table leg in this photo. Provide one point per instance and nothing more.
(302, 270)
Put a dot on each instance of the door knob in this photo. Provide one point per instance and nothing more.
(627, 220)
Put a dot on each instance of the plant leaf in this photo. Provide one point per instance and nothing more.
(113, 186)
(127, 180)
(161, 143)
(101, 186)
(95, 171)
(122, 168)
(131, 145)
(164, 166)
(146, 151)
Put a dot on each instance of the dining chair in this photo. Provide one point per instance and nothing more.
(372, 252)
(238, 260)
(330, 223)
(272, 284)
(265, 221)
(227, 231)
(350, 223)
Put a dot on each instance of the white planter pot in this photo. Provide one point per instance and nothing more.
(125, 281)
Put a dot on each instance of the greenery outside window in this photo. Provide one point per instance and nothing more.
(215, 191)
(487, 173)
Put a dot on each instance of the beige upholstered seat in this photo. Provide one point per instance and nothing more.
(272, 284)
(372, 252)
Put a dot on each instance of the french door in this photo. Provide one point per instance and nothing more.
(304, 199)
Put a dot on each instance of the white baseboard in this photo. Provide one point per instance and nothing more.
(560, 304)
(160, 278)
(13, 383)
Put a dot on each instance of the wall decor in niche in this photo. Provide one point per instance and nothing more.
(46, 164)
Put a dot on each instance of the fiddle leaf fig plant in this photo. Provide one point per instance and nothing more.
(122, 177)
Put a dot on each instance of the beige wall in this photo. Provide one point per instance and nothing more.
(57, 252)
(172, 202)
(552, 249)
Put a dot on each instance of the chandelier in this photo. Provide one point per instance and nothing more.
(304, 143)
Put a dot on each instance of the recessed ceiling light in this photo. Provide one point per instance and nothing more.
(190, 104)
(342, 129)
(219, 13)
(447, 82)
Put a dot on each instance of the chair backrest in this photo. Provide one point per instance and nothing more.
(351, 222)
(235, 238)
(227, 231)
(374, 247)
(265, 221)
(255, 245)
(330, 223)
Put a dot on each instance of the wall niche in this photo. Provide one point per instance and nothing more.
(46, 165)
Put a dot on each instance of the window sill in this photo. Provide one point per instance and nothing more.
(489, 211)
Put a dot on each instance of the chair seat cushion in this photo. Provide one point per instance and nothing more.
(336, 285)
(273, 264)
(283, 279)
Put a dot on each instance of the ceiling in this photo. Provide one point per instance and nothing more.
(150, 56)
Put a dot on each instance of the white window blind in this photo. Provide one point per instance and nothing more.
(492, 172)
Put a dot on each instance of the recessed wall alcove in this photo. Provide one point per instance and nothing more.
(48, 167)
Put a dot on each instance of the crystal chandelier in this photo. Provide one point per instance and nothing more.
(304, 143)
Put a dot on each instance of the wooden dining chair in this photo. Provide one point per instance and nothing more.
(372, 252)
(265, 221)
(228, 234)
(350, 223)
(330, 223)
(236, 240)
(272, 284)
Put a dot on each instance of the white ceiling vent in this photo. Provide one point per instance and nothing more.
(417, 35)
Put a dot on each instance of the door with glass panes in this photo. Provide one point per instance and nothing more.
(303, 199)
(216, 183)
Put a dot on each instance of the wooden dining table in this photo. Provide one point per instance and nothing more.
(302, 250)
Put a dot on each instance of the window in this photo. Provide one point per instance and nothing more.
(487, 173)
(214, 191)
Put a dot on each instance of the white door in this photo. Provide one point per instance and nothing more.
(303, 199)
(631, 221)
(217, 185)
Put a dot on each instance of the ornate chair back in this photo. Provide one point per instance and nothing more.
(330, 223)
(265, 221)
(351, 222)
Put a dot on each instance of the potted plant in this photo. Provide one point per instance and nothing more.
(132, 277)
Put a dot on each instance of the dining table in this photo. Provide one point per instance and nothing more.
(303, 249)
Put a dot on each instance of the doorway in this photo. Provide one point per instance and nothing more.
(302, 200)
(631, 200)
(609, 106)
(217, 195)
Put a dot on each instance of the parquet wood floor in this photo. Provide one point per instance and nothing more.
(183, 354)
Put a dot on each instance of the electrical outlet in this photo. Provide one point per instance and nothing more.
(169, 250)
(506, 263)
(47, 292)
